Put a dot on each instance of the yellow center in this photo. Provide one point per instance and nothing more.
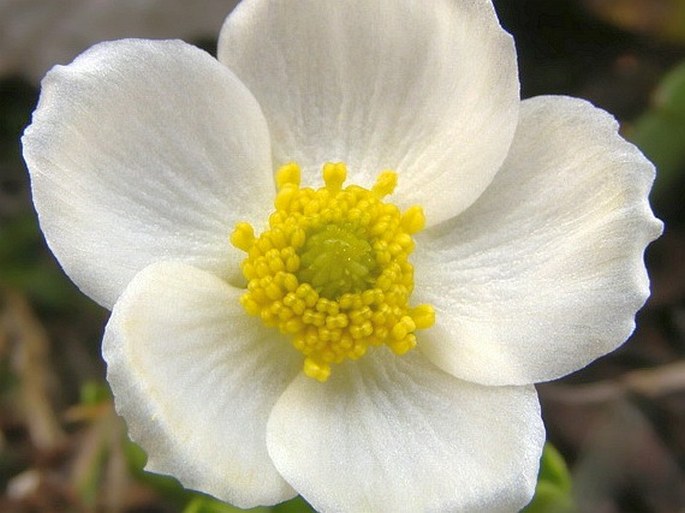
(332, 270)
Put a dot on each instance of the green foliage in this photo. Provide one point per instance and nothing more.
(660, 132)
(661, 19)
(25, 266)
(93, 393)
(553, 469)
(553, 491)
(167, 486)
(203, 504)
(296, 505)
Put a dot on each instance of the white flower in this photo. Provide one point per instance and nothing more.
(36, 34)
(145, 156)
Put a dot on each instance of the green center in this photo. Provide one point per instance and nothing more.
(336, 261)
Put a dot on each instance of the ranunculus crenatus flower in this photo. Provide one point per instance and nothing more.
(339, 256)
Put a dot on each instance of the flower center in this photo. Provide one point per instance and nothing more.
(332, 269)
(336, 260)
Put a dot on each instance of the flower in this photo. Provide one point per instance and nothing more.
(36, 34)
(502, 238)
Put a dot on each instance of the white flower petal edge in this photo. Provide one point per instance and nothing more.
(399, 435)
(196, 378)
(545, 272)
(145, 150)
(431, 93)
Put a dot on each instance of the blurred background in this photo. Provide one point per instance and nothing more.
(619, 424)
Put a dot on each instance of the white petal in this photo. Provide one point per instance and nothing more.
(429, 89)
(544, 273)
(141, 151)
(396, 434)
(195, 378)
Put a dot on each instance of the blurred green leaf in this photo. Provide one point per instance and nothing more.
(660, 132)
(670, 95)
(553, 469)
(553, 491)
(550, 499)
(203, 504)
(94, 392)
(296, 505)
(88, 481)
(26, 266)
(167, 486)
(664, 19)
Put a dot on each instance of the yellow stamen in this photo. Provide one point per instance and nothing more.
(242, 236)
(385, 183)
(332, 270)
(334, 175)
(288, 174)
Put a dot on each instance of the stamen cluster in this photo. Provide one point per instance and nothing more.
(332, 269)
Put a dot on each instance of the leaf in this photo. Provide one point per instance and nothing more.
(549, 499)
(166, 486)
(553, 491)
(204, 504)
(660, 132)
(296, 505)
(553, 469)
(25, 265)
(661, 18)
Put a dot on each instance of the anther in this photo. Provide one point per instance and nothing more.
(242, 236)
(385, 184)
(289, 174)
(334, 174)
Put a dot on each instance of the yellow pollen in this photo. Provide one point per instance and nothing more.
(332, 270)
